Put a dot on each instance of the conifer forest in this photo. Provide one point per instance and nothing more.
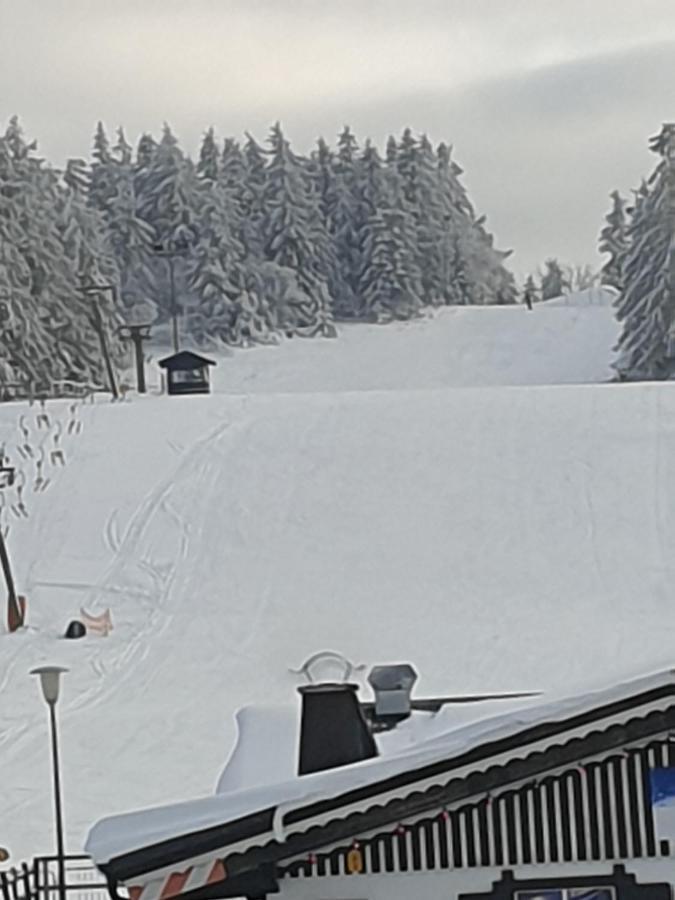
(259, 242)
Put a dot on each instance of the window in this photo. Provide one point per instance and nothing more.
(188, 376)
(585, 893)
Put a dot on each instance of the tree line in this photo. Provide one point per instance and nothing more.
(639, 239)
(263, 242)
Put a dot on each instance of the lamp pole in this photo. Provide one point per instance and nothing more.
(50, 682)
(169, 250)
(14, 614)
(93, 289)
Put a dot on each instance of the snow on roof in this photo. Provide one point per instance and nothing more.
(419, 743)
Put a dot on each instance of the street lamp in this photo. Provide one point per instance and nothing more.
(169, 250)
(50, 677)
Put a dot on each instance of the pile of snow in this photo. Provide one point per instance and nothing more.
(498, 538)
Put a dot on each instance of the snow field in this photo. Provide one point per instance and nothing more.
(498, 538)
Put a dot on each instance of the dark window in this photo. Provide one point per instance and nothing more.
(587, 893)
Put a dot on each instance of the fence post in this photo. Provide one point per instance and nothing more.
(25, 878)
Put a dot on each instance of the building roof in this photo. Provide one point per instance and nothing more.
(183, 360)
(250, 826)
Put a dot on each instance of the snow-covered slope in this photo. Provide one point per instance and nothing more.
(565, 341)
(499, 538)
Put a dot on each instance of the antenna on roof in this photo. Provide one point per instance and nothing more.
(328, 665)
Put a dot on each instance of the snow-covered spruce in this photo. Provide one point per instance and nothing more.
(613, 240)
(646, 305)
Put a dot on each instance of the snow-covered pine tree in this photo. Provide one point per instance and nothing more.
(418, 166)
(322, 181)
(112, 192)
(291, 239)
(613, 240)
(208, 165)
(224, 309)
(390, 283)
(637, 215)
(344, 224)
(166, 194)
(457, 218)
(554, 281)
(647, 301)
(214, 267)
(46, 320)
(84, 232)
(254, 167)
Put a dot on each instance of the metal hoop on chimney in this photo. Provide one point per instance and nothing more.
(313, 664)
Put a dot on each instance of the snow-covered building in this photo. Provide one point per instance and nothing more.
(337, 799)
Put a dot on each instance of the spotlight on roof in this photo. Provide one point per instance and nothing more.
(392, 686)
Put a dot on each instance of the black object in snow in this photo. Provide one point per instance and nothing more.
(75, 629)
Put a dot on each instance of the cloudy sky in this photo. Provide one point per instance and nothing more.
(548, 103)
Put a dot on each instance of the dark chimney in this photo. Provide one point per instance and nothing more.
(333, 730)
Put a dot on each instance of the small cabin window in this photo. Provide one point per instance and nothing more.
(188, 376)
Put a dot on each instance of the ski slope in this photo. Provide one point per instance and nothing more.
(342, 494)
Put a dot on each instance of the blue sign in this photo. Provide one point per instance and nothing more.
(662, 782)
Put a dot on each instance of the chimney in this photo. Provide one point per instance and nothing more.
(333, 730)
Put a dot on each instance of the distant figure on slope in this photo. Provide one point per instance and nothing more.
(530, 292)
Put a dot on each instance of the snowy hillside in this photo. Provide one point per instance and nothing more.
(506, 537)
(560, 342)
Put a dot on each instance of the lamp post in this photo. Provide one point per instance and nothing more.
(50, 677)
(94, 289)
(169, 250)
(14, 614)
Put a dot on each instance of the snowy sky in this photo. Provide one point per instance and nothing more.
(549, 104)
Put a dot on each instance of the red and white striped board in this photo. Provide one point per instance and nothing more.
(179, 882)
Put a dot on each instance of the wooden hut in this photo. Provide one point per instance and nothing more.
(187, 373)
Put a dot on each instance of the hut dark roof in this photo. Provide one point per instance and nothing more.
(183, 360)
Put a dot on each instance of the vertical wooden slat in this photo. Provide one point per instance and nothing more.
(625, 774)
(492, 857)
(636, 776)
(463, 840)
(518, 827)
(558, 818)
(452, 841)
(395, 853)
(585, 811)
(531, 824)
(477, 844)
(612, 798)
(408, 841)
(546, 835)
(599, 807)
(435, 833)
(573, 816)
(422, 838)
(503, 828)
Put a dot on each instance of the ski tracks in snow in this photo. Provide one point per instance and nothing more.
(149, 555)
